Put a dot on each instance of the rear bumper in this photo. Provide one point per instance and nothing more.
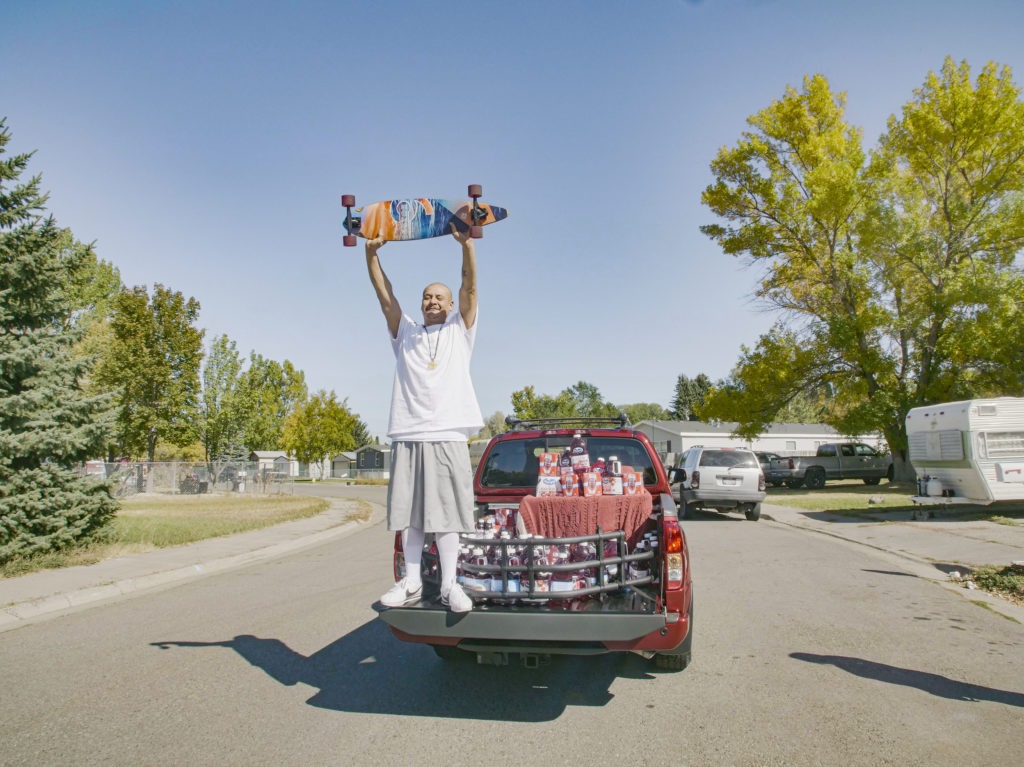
(720, 499)
(624, 622)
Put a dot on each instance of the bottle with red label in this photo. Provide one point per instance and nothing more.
(515, 559)
(578, 451)
(611, 481)
(565, 461)
(562, 580)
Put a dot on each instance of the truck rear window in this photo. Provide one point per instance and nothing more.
(515, 462)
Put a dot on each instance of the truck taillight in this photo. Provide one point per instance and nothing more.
(791, 464)
(694, 480)
(673, 554)
(761, 484)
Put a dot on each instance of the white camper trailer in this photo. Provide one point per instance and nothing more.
(968, 452)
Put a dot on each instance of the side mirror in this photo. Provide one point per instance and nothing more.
(676, 475)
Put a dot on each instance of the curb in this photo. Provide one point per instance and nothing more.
(22, 613)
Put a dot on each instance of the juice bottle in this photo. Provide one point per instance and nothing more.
(612, 479)
(578, 451)
(565, 461)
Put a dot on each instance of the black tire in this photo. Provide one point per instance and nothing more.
(680, 658)
(683, 510)
(448, 653)
(872, 480)
(815, 478)
(753, 512)
(793, 484)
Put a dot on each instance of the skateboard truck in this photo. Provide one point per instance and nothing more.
(478, 214)
(352, 223)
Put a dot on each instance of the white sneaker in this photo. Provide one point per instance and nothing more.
(401, 594)
(456, 600)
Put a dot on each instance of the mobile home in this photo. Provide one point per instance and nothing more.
(970, 451)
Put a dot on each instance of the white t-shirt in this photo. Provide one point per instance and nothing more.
(432, 399)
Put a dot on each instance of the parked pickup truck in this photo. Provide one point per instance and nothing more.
(836, 460)
(572, 595)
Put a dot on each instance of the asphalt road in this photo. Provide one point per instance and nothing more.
(808, 651)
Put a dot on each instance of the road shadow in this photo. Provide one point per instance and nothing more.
(698, 515)
(933, 684)
(888, 572)
(368, 671)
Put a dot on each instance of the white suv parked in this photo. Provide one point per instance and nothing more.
(722, 478)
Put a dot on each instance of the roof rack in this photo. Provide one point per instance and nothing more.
(620, 421)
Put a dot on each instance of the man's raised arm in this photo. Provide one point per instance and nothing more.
(381, 284)
(467, 292)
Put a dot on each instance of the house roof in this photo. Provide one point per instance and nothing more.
(268, 454)
(728, 427)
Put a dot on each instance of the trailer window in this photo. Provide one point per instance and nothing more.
(1002, 444)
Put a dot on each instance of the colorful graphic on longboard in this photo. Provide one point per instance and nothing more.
(418, 218)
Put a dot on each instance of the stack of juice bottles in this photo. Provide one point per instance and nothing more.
(480, 560)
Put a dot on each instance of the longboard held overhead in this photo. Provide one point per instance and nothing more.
(418, 218)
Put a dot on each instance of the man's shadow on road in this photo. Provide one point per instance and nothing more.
(934, 684)
(369, 671)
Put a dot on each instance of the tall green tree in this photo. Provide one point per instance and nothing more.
(48, 424)
(268, 392)
(493, 424)
(320, 428)
(579, 400)
(894, 275)
(153, 368)
(645, 411)
(222, 418)
(689, 396)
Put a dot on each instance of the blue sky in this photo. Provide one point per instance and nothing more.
(204, 145)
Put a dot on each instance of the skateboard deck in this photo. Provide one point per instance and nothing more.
(418, 218)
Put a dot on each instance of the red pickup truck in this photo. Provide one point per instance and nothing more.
(613, 590)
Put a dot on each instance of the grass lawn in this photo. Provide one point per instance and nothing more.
(851, 497)
(150, 522)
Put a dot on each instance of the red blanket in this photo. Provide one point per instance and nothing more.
(557, 517)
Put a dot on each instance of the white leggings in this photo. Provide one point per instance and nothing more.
(447, 551)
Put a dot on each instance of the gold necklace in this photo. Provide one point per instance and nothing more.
(432, 352)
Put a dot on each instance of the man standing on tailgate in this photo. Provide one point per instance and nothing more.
(434, 411)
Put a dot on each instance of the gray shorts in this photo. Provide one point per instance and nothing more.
(431, 487)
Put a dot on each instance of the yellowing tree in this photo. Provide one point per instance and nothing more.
(894, 274)
(321, 427)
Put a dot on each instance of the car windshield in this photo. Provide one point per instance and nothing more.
(515, 462)
(728, 459)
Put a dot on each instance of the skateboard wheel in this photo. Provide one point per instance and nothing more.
(349, 240)
(475, 191)
(348, 201)
(476, 232)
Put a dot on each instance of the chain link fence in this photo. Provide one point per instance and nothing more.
(183, 478)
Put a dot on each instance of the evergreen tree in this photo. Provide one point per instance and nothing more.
(689, 396)
(48, 424)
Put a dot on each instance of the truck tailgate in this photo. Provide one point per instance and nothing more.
(620, 618)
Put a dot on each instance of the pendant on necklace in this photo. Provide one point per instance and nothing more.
(431, 365)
